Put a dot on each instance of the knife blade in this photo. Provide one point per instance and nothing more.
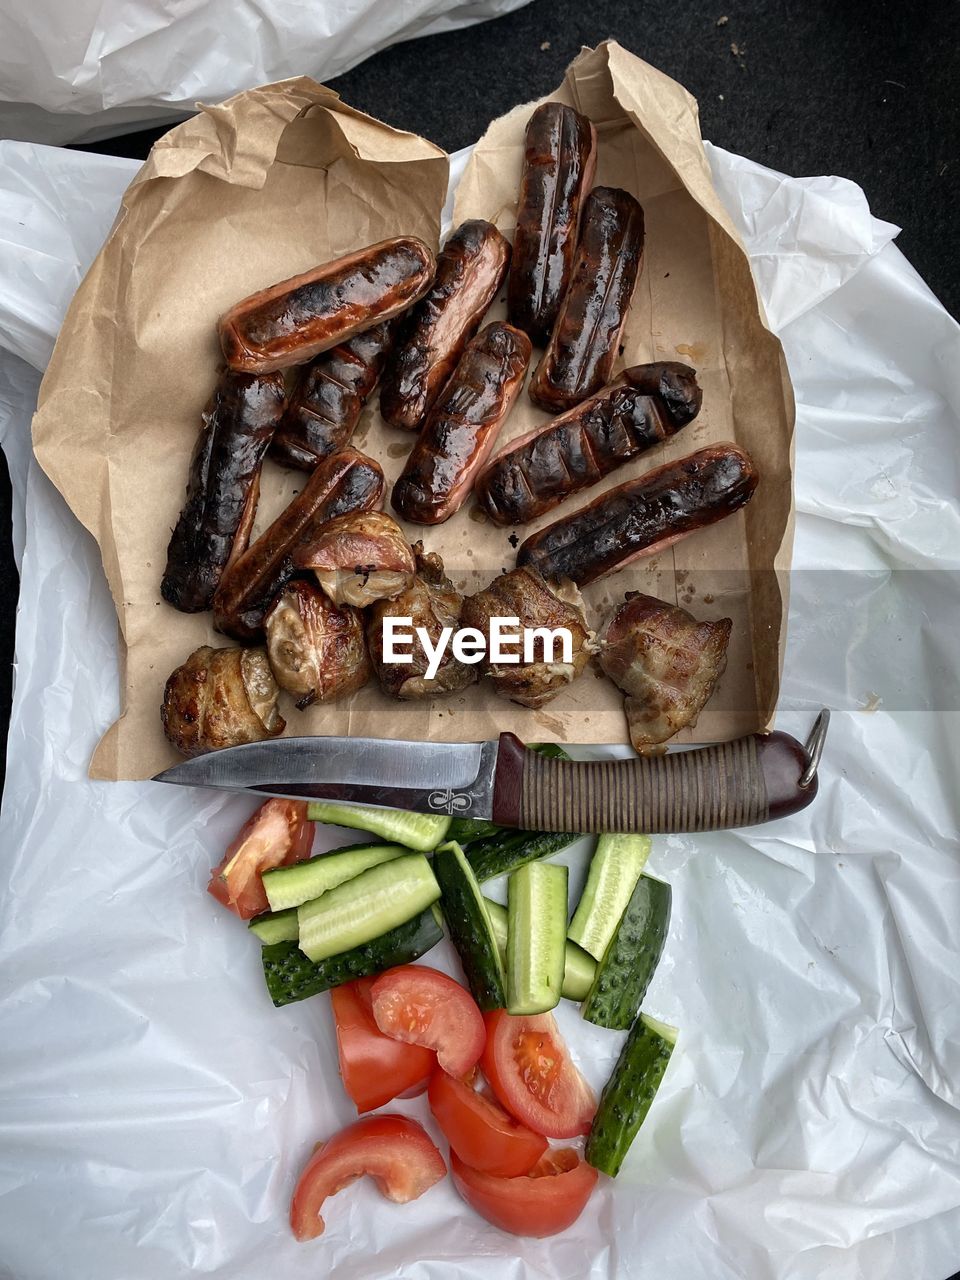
(728, 784)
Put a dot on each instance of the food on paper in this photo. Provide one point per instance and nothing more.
(431, 602)
(615, 867)
(223, 489)
(289, 886)
(631, 958)
(221, 698)
(641, 408)
(666, 663)
(643, 516)
(328, 396)
(536, 937)
(585, 339)
(374, 1068)
(393, 1150)
(345, 482)
(462, 426)
(468, 923)
(526, 595)
(560, 156)
(359, 558)
(278, 834)
(479, 1131)
(470, 269)
(423, 1006)
(291, 322)
(533, 1076)
(317, 649)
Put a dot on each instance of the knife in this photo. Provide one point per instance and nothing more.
(728, 784)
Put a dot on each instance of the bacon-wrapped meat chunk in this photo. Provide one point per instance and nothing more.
(316, 648)
(221, 698)
(666, 662)
(359, 558)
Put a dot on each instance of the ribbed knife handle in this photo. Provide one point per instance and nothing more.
(729, 784)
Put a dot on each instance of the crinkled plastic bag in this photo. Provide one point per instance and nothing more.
(86, 69)
(156, 1109)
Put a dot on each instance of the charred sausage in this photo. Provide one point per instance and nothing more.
(583, 345)
(325, 406)
(221, 698)
(293, 321)
(223, 488)
(462, 426)
(344, 482)
(470, 270)
(643, 516)
(559, 161)
(643, 407)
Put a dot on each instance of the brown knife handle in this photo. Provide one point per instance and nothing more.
(729, 784)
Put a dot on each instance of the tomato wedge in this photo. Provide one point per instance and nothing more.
(394, 1150)
(278, 834)
(547, 1200)
(374, 1068)
(533, 1076)
(480, 1132)
(420, 1005)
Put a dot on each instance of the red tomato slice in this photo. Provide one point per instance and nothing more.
(533, 1076)
(393, 1150)
(374, 1067)
(547, 1200)
(480, 1132)
(277, 835)
(419, 1005)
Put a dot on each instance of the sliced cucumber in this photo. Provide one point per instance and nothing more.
(276, 926)
(615, 868)
(291, 976)
(627, 1095)
(509, 849)
(627, 968)
(468, 923)
(579, 969)
(367, 906)
(419, 831)
(466, 830)
(289, 886)
(536, 936)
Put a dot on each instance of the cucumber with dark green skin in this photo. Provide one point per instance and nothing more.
(276, 926)
(471, 931)
(291, 976)
(511, 849)
(630, 960)
(579, 969)
(627, 1095)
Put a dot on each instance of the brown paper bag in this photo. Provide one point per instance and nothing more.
(286, 176)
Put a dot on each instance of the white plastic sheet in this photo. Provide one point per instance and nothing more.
(88, 69)
(156, 1109)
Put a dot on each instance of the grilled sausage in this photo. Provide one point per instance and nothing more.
(462, 426)
(559, 162)
(523, 594)
(583, 345)
(325, 406)
(293, 321)
(643, 407)
(221, 698)
(470, 270)
(643, 516)
(223, 488)
(344, 482)
(359, 558)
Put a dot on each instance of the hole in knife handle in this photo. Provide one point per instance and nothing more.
(729, 784)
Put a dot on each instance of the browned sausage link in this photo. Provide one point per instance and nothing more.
(223, 487)
(325, 407)
(462, 426)
(643, 516)
(583, 346)
(644, 406)
(470, 270)
(559, 162)
(293, 321)
(344, 482)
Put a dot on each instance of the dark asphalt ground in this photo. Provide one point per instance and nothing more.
(864, 90)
